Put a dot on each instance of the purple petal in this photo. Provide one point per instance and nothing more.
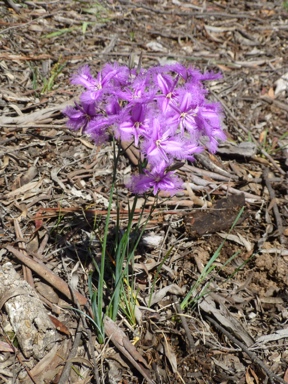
(84, 78)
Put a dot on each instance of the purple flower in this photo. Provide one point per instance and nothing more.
(192, 75)
(103, 83)
(112, 106)
(132, 123)
(97, 129)
(137, 92)
(167, 86)
(209, 121)
(80, 115)
(157, 178)
(163, 109)
(163, 144)
(185, 112)
(84, 78)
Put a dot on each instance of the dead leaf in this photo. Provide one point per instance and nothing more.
(226, 319)
(250, 377)
(51, 364)
(60, 326)
(159, 295)
(281, 84)
(122, 343)
(5, 347)
(20, 191)
(280, 334)
(29, 175)
(239, 239)
(5, 162)
(271, 93)
(286, 376)
(47, 291)
(171, 356)
(54, 177)
(38, 221)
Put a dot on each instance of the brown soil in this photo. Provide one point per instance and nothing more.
(55, 184)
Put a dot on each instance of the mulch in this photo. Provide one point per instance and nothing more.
(55, 185)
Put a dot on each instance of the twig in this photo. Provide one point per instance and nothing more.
(204, 172)
(42, 246)
(272, 376)
(184, 324)
(27, 273)
(277, 103)
(67, 368)
(204, 160)
(10, 4)
(205, 183)
(275, 206)
(88, 331)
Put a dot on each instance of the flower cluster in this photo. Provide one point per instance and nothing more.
(162, 110)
